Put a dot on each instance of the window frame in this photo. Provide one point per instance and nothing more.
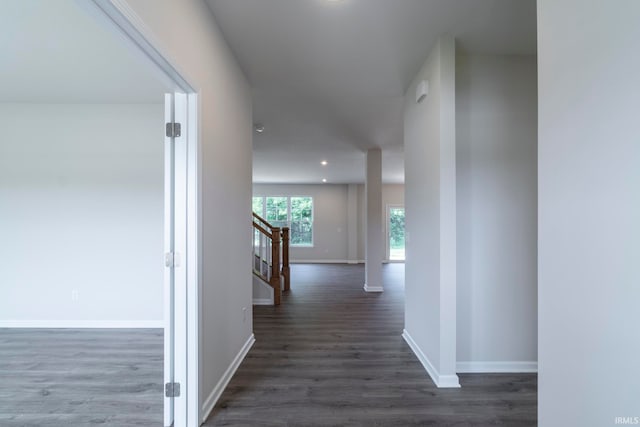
(313, 215)
(289, 221)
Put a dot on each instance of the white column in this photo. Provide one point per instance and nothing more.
(373, 235)
(352, 224)
(430, 203)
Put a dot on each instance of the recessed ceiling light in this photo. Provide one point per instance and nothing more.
(259, 127)
(323, 163)
(324, 179)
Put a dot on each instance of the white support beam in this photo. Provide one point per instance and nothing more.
(374, 248)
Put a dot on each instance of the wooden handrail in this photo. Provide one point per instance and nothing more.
(278, 241)
(275, 265)
(285, 258)
(262, 220)
(262, 230)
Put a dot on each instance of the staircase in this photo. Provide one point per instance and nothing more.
(271, 256)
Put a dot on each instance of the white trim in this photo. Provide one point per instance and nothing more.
(194, 249)
(168, 272)
(262, 301)
(180, 284)
(441, 381)
(325, 261)
(355, 261)
(211, 401)
(368, 288)
(497, 367)
(143, 40)
(83, 324)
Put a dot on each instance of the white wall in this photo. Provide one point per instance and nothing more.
(496, 143)
(589, 211)
(188, 35)
(430, 198)
(81, 211)
(331, 217)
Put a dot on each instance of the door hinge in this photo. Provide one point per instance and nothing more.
(172, 389)
(172, 259)
(169, 259)
(173, 130)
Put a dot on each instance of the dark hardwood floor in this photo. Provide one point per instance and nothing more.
(332, 355)
(81, 377)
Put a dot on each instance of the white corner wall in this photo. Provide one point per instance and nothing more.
(430, 207)
(589, 212)
(81, 215)
(496, 144)
(187, 33)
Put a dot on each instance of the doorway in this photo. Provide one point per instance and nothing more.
(182, 239)
(81, 196)
(395, 233)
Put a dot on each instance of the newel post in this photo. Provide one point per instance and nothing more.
(275, 265)
(285, 258)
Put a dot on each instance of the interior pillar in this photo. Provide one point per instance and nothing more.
(352, 224)
(373, 235)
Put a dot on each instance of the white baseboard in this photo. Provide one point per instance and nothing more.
(318, 261)
(211, 401)
(83, 324)
(368, 288)
(496, 367)
(262, 301)
(441, 381)
(326, 261)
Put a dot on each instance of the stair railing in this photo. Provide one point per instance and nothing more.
(271, 255)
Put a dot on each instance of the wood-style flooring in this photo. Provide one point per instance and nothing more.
(332, 355)
(81, 377)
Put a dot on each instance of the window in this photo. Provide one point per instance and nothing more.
(395, 229)
(258, 205)
(301, 221)
(277, 211)
(293, 212)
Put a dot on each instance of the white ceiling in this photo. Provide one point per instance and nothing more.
(328, 77)
(58, 51)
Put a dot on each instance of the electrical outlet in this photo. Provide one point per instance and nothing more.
(75, 295)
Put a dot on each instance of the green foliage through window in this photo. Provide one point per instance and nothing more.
(293, 212)
(301, 220)
(277, 212)
(396, 233)
(257, 205)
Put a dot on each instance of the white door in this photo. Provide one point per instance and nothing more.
(175, 244)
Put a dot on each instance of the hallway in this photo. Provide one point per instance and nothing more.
(332, 354)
